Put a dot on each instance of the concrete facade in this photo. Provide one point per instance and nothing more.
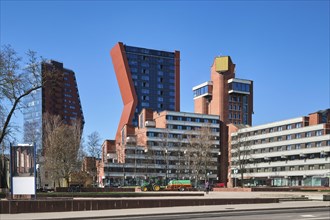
(164, 147)
(292, 152)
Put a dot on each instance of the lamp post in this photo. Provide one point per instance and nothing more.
(146, 152)
(166, 166)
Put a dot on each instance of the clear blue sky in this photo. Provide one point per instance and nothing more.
(283, 46)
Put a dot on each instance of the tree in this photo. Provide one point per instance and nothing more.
(241, 153)
(62, 145)
(94, 145)
(94, 149)
(199, 152)
(16, 82)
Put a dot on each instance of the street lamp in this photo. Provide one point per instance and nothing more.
(146, 162)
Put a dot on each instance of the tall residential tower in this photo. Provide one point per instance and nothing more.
(147, 78)
(230, 98)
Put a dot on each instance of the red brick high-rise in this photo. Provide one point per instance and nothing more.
(227, 96)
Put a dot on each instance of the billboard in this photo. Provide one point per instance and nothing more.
(23, 169)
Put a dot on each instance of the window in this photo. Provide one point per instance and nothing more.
(292, 168)
(322, 167)
(328, 143)
(298, 125)
(298, 146)
(298, 136)
(288, 127)
(188, 119)
(319, 133)
(309, 134)
(288, 147)
(301, 167)
(179, 127)
(279, 138)
(288, 137)
(311, 167)
(263, 141)
(308, 145)
(271, 130)
(179, 118)
(271, 139)
(279, 128)
(263, 131)
(318, 144)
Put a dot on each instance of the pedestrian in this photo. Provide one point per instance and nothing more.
(207, 187)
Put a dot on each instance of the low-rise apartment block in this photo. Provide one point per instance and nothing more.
(167, 145)
(292, 152)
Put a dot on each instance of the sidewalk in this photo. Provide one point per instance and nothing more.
(179, 209)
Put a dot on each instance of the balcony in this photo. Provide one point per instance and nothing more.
(131, 140)
(150, 124)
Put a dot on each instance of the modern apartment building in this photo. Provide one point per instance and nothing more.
(292, 152)
(147, 78)
(225, 95)
(58, 96)
(166, 145)
(229, 97)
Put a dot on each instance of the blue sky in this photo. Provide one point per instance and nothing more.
(283, 46)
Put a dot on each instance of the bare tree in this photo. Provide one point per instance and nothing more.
(16, 82)
(199, 152)
(241, 153)
(94, 145)
(94, 150)
(62, 145)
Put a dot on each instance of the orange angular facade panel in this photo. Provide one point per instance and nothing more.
(125, 83)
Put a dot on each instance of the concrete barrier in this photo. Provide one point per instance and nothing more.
(326, 197)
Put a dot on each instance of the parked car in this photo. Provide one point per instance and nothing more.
(217, 185)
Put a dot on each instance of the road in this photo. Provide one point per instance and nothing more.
(278, 214)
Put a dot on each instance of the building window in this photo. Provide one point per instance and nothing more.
(319, 133)
(279, 138)
(298, 125)
(288, 137)
(179, 127)
(301, 167)
(288, 127)
(322, 167)
(271, 130)
(288, 147)
(298, 136)
(169, 117)
(298, 146)
(311, 167)
(292, 168)
(188, 119)
(309, 134)
(279, 128)
(308, 145)
(271, 139)
(263, 141)
(319, 144)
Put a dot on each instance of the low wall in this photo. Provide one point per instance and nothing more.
(65, 189)
(19, 206)
(232, 189)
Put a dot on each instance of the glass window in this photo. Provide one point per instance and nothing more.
(280, 128)
(298, 136)
(308, 134)
(298, 125)
(319, 133)
(318, 144)
(308, 145)
(288, 127)
(288, 137)
(298, 146)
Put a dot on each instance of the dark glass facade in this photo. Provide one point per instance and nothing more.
(154, 77)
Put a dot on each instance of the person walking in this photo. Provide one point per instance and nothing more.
(207, 187)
